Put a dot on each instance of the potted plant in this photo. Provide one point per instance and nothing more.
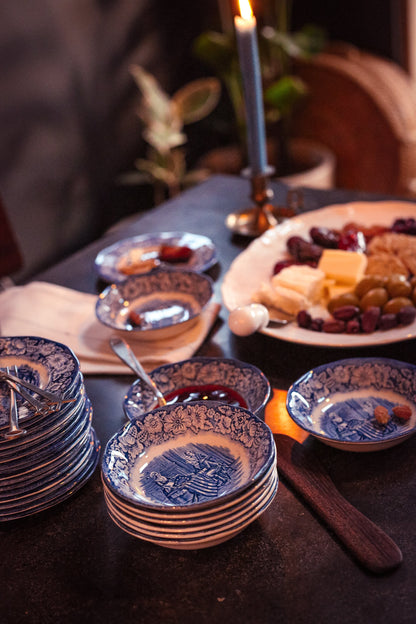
(283, 91)
(163, 118)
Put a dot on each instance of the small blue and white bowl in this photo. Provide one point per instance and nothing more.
(244, 379)
(168, 302)
(335, 402)
(187, 456)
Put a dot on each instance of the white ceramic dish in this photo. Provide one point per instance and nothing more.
(255, 265)
(168, 302)
(335, 402)
(107, 262)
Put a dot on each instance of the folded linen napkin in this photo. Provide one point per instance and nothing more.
(68, 316)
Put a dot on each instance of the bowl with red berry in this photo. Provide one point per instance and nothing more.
(356, 404)
(145, 252)
(156, 305)
(226, 380)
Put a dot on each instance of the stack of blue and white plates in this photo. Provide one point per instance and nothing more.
(60, 450)
(190, 475)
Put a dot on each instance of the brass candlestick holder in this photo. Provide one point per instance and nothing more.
(256, 219)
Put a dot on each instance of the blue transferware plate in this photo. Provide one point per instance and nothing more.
(49, 447)
(335, 402)
(110, 262)
(191, 456)
(46, 363)
(63, 489)
(206, 540)
(247, 380)
(168, 302)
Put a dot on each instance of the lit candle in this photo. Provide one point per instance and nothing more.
(246, 32)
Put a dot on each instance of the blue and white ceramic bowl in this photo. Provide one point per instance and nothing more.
(46, 363)
(246, 380)
(335, 402)
(109, 261)
(187, 456)
(167, 302)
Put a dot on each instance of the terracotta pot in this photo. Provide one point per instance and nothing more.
(315, 164)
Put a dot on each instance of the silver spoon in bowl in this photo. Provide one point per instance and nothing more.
(126, 355)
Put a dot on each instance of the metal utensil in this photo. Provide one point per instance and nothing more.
(125, 353)
(41, 408)
(14, 430)
(50, 397)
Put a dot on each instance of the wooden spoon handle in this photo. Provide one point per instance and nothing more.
(373, 548)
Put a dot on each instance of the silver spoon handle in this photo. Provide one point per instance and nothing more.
(14, 430)
(51, 397)
(125, 353)
(40, 407)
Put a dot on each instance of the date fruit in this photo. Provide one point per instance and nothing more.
(333, 326)
(346, 312)
(369, 319)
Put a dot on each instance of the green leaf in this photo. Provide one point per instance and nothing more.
(197, 99)
(285, 93)
(217, 50)
(155, 171)
(311, 39)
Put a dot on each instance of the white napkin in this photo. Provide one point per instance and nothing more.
(68, 316)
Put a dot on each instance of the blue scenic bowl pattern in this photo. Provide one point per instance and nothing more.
(336, 401)
(187, 455)
(46, 363)
(184, 293)
(203, 257)
(247, 380)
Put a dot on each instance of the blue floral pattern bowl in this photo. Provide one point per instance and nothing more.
(167, 302)
(107, 262)
(46, 363)
(335, 402)
(189, 456)
(246, 380)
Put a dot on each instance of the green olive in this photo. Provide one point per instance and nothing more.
(368, 283)
(348, 298)
(396, 304)
(398, 286)
(376, 297)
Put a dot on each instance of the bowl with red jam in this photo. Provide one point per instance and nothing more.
(156, 305)
(225, 380)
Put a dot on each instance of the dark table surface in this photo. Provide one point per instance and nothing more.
(72, 564)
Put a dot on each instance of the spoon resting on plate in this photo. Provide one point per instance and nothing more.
(246, 320)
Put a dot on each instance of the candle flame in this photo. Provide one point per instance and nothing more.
(245, 9)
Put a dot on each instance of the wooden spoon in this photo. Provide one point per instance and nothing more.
(375, 550)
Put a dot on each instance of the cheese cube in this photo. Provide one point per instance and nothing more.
(303, 279)
(281, 298)
(345, 267)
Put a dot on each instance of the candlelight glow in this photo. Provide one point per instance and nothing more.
(245, 9)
